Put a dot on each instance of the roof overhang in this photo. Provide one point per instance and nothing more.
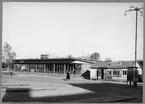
(78, 62)
(43, 61)
(108, 67)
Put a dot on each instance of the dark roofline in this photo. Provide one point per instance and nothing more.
(45, 59)
(87, 61)
(109, 67)
(112, 65)
(140, 64)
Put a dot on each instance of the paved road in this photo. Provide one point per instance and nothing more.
(54, 89)
(42, 86)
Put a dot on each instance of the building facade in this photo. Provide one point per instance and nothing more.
(98, 70)
(54, 66)
(114, 70)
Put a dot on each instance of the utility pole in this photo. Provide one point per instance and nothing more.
(136, 9)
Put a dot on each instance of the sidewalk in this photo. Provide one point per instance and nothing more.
(43, 90)
(74, 78)
(121, 82)
(55, 86)
(45, 75)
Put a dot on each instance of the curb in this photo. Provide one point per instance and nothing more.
(51, 77)
(25, 89)
(123, 100)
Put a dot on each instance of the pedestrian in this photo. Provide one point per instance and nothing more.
(11, 73)
(68, 76)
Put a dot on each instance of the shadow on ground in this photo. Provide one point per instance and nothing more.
(102, 92)
(23, 95)
(115, 92)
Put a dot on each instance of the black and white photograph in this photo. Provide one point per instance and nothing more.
(72, 52)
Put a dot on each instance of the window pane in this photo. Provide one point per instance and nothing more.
(118, 72)
(109, 72)
(125, 72)
(114, 72)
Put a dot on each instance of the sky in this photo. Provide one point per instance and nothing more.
(78, 29)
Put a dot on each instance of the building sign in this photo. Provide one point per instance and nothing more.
(115, 63)
(44, 56)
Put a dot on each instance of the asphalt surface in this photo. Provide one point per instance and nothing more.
(49, 88)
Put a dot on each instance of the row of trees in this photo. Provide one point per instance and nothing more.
(95, 57)
(7, 56)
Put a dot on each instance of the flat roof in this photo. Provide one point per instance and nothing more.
(44, 61)
(113, 65)
(52, 61)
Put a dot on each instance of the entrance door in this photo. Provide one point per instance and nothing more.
(100, 74)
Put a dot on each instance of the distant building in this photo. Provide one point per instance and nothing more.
(97, 70)
(44, 56)
(115, 70)
(53, 65)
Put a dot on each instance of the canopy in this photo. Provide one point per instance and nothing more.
(78, 62)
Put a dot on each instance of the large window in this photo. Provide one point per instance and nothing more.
(116, 73)
(124, 72)
(109, 72)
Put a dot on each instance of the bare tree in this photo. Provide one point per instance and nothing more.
(108, 59)
(7, 54)
(95, 56)
(69, 56)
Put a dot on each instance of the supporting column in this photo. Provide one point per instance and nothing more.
(35, 67)
(59, 69)
(64, 68)
(97, 73)
(48, 68)
(53, 68)
(44, 68)
(111, 72)
(20, 68)
(76, 69)
(29, 67)
(14, 67)
(102, 73)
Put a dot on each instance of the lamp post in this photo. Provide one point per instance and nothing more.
(136, 9)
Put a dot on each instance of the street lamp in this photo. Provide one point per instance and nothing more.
(136, 9)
